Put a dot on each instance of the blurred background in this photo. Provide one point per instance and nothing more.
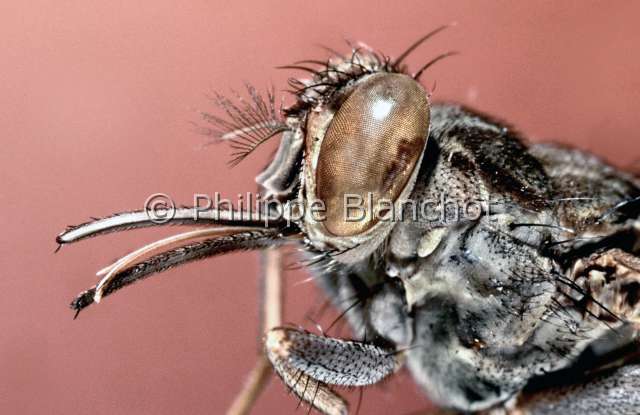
(96, 100)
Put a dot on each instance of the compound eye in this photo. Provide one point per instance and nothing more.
(370, 150)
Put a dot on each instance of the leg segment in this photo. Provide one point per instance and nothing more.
(308, 364)
(331, 361)
(271, 310)
(254, 385)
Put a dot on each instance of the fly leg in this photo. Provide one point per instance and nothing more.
(310, 365)
(272, 299)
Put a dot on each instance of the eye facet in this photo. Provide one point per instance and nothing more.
(371, 148)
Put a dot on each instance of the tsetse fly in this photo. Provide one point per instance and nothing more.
(529, 306)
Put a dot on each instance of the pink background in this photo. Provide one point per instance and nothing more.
(95, 104)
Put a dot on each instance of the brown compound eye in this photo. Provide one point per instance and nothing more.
(371, 148)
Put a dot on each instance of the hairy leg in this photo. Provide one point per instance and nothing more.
(310, 364)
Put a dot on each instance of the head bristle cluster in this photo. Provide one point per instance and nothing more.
(342, 69)
(248, 123)
(334, 74)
